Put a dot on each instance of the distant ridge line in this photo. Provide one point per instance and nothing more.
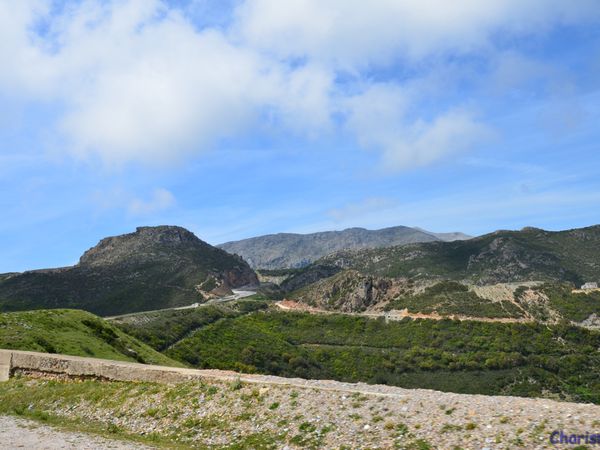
(295, 250)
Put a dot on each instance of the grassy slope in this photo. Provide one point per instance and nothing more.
(162, 329)
(73, 332)
(449, 297)
(467, 357)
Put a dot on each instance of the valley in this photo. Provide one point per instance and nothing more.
(497, 315)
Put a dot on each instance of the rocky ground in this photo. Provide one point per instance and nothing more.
(311, 414)
(17, 433)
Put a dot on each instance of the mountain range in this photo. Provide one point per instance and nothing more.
(518, 275)
(499, 257)
(291, 250)
(168, 266)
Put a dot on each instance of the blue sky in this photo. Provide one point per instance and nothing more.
(241, 118)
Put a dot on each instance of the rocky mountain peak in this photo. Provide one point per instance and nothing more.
(151, 268)
(145, 242)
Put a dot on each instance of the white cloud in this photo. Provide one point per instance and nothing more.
(425, 142)
(161, 200)
(354, 33)
(378, 118)
(135, 80)
(139, 82)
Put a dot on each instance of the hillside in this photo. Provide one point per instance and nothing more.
(76, 333)
(289, 250)
(523, 359)
(162, 329)
(499, 257)
(468, 356)
(152, 268)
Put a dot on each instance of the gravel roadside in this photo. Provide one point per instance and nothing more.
(18, 433)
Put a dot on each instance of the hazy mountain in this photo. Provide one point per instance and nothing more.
(499, 257)
(290, 250)
(447, 237)
(152, 268)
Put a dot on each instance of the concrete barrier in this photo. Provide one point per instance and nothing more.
(79, 367)
(5, 365)
(76, 367)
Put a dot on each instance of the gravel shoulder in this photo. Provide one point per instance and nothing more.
(256, 413)
(18, 433)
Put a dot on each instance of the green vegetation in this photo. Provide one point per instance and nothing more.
(572, 306)
(75, 333)
(503, 256)
(450, 297)
(161, 329)
(279, 272)
(209, 284)
(457, 356)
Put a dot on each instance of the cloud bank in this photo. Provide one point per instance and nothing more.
(141, 81)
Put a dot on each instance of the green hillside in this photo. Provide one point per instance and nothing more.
(458, 356)
(500, 257)
(161, 329)
(76, 333)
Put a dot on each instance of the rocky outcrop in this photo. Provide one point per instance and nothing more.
(592, 322)
(349, 291)
(505, 259)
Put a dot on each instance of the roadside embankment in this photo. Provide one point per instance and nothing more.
(220, 409)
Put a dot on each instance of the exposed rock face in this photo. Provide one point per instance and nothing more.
(152, 268)
(288, 250)
(592, 322)
(349, 291)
